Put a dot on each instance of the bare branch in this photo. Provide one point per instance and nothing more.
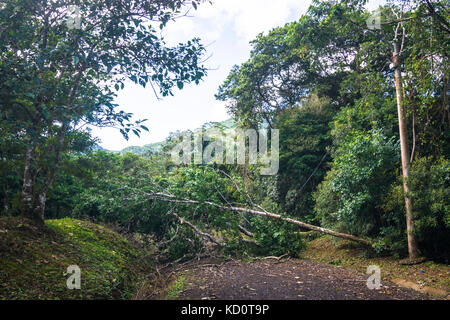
(197, 231)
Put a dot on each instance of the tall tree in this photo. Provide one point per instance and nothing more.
(404, 145)
(61, 66)
(420, 42)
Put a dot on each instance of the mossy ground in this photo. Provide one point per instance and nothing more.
(349, 255)
(34, 260)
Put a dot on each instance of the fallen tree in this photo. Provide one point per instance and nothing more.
(197, 231)
(172, 198)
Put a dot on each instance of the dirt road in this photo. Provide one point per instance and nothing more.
(283, 280)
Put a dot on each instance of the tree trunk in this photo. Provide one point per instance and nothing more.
(5, 197)
(197, 231)
(412, 244)
(42, 197)
(33, 203)
(27, 199)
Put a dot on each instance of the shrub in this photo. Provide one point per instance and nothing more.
(429, 186)
(362, 170)
(276, 237)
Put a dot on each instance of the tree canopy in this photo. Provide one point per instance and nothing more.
(59, 74)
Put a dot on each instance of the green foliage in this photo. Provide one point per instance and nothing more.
(304, 140)
(185, 246)
(55, 78)
(362, 170)
(276, 238)
(331, 53)
(119, 192)
(430, 193)
(393, 233)
(430, 190)
(373, 107)
(116, 192)
(176, 288)
(249, 88)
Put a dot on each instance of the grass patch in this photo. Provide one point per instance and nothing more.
(347, 254)
(34, 260)
(176, 288)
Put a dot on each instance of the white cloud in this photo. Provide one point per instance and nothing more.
(247, 18)
(251, 17)
(372, 5)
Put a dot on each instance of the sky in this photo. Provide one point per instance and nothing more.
(226, 27)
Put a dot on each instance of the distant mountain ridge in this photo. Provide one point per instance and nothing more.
(157, 146)
(153, 147)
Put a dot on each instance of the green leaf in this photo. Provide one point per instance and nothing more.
(136, 132)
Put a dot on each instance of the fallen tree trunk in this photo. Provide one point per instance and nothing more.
(171, 198)
(245, 231)
(196, 230)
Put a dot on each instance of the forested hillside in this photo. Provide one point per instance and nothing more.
(362, 113)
